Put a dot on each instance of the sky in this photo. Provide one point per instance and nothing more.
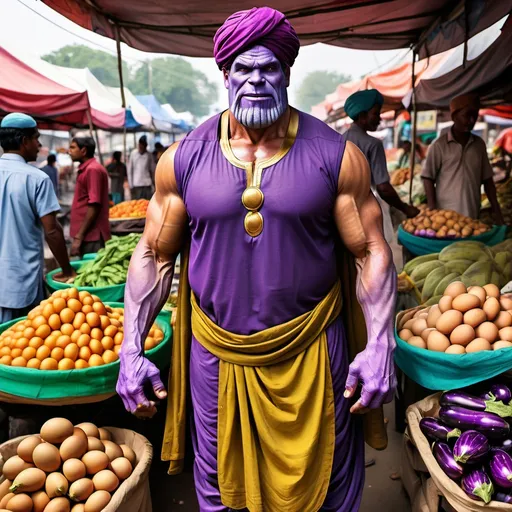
(30, 32)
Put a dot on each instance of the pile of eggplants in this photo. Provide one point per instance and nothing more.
(472, 441)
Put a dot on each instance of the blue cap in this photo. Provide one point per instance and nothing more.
(18, 120)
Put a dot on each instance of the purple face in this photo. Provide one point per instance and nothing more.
(257, 88)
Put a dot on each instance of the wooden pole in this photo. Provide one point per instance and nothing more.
(121, 83)
(92, 129)
(414, 125)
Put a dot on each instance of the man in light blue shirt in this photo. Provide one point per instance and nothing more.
(28, 208)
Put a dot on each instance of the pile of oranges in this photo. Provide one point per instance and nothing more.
(70, 330)
(127, 209)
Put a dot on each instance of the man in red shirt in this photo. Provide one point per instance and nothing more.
(89, 227)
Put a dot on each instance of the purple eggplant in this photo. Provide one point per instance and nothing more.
(471, 447)
(434, 428)
(477, 403)
(505, 445)
(487, 423)
(500, 466)
(444, 456)
(504, 497)
(478, 486)
(499, 392)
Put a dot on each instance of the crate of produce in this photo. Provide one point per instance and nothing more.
(135, 209)
(420, 246)
(66, 351)
(464, 339)
(105, 275)
(463, 438)
(66, 467)
(473, 263)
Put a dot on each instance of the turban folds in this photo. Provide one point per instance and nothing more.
(362, 101)
(463, 101)
(258, 26)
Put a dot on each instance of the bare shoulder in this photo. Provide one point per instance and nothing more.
(164, 175)
(355, 173)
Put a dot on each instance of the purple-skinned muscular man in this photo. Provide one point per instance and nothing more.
(262, 192)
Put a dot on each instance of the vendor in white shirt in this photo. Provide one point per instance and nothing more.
(141, 171)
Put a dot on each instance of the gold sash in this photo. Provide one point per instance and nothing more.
(173, 448)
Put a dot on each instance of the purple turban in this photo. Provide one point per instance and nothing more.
(259, 26)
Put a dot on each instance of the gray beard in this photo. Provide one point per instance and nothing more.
(256, 117)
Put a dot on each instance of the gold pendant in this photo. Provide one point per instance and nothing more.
(253, 223)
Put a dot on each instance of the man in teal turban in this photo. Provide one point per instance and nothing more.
(364, 108)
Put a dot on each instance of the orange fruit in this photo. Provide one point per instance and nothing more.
(55, 322)
(79, 320)
(105, 321)
(67, 329)
(16, 352)
(75, 305)
(48, 311)
(107, 343)
(75, 336)
(67, 315)
(5, 351)
(87, 309)
(85, 353)
(83, 340)
(59, 304)
(93, 319)
(43, 331)
(29, 333)
(29, 353)
(85, 328)
(80, 364)
(111, 331)
(21, 343)
(71, 351)
(96, 360)
(66, 364)
(19, 361)
(109, 356)
(33, 363)
(36, 342)
(63, 341)
(82, 295)
(96, 334)
(6, 360)
(117, 349)
(99, 308)
(73, 293)
(57, 353)
(43, 352)
(51, 342)
(49, 364)
(118, 338)
(96, 347)
(38, 321)
(87, 301)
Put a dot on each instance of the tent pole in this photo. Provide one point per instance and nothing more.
(414, 125)
(121, 83)
(92, 129)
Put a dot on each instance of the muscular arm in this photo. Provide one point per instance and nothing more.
(388, 194)
(148, 286)
(359, 221)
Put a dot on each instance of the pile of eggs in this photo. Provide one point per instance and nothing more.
(65, 468)
(465, 320)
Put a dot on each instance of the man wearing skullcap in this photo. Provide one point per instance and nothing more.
(457, 165)
(28, 209)
(364, 107)
(277, 228)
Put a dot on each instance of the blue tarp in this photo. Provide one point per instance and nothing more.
(162, 120)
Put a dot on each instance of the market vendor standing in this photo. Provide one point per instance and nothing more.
(89, 226)
(265, 192)
(141, 171)
(457, 165)
(364, 107)
(28, 209)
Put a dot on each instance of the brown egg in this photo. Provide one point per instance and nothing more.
(505, 334)
(75, 305)
(405, 334)
(424, 335)
(97, 334)
(492, 290)
(448, 321)
(49, 364)
(492, 308)
(465, 302)
(78, 320)
(67, 316)
(497, 345)
(503, 320)
(478, 345)
(34, 363)
(455, 289)
(455, 349)
(420, 312)
(418, 326)
(437, 342)
(445, 304)
(505, 301)
(67, 329)
(488, 331)
(462, 335)
(66, 364)
(63, 341)
(54, 322)
(85, 328)
(417, 341)
(474, 317)
(479, 292)
(93, 319)
(59, 304)
(80, 364)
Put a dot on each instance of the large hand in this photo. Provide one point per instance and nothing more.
(378, 380)
(134, 372)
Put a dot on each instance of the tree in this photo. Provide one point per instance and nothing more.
(174, 80)
(101, 64)
(315, 87)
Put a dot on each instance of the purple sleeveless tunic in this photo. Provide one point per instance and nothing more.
(248, 284)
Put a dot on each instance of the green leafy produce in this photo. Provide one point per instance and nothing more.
(111, 264)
